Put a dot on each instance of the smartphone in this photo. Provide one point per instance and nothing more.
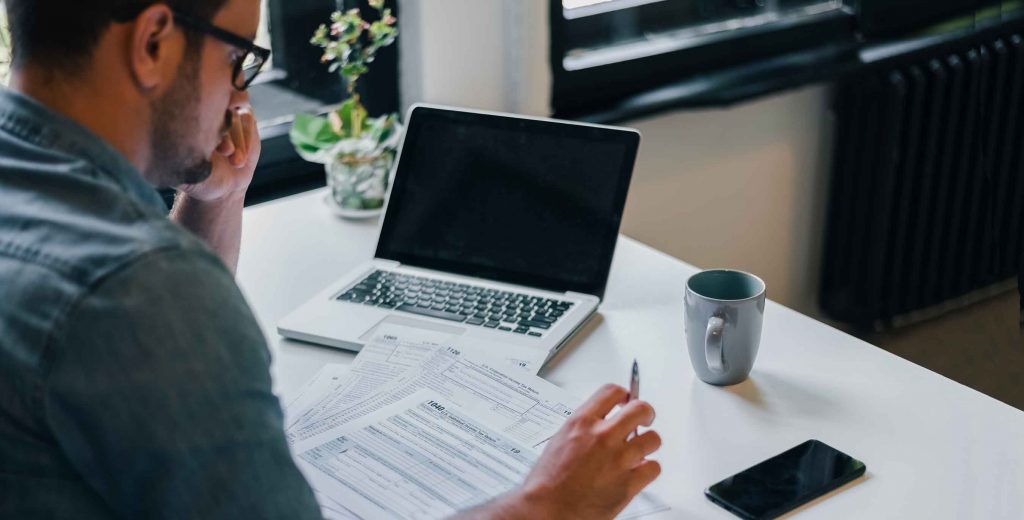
(786, 481)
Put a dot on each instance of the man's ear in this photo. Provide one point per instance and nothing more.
(156, 47)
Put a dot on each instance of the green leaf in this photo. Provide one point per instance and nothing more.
(350, 45)
(353, 117)
(312, 133)
(320, 36)
(379, 129)
(352, 71)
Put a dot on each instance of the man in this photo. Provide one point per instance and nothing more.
(133, 377)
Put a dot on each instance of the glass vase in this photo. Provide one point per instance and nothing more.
(358, 184)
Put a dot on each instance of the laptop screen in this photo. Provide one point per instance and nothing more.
(524, 201)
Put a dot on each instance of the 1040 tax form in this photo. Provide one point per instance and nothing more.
(415, 428)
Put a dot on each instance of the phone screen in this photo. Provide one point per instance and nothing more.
(786, 481)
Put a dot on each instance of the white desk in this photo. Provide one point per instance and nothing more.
(934, 448)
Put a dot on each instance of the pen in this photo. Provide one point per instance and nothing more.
(634, 387)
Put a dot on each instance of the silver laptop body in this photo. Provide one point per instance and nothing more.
(520, 263)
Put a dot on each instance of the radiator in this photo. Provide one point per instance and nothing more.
(927, 187)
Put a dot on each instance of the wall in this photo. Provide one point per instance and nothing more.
(742, 187)
(488, 54)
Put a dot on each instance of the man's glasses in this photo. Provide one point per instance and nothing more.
(248, 66)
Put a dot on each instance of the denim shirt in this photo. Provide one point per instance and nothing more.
(134, 380)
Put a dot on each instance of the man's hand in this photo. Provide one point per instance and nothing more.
(212, 209)
(591, 468)
(234, 161)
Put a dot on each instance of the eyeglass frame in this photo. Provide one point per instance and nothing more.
(230, 38)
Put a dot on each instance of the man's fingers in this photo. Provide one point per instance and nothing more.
(642, 446)
(226, 146)
(632, 415)
(252, 132)
(603, 401)
(643, 475)
(238, 138)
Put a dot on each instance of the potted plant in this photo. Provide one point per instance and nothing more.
(357, 151)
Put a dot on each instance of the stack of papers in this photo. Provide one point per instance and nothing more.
(416, 428)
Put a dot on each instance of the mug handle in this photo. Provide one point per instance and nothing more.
(713, 350)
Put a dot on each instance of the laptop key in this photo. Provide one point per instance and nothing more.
(475, 321)
(505, 328)
(534, 334)
(491, 324)
(521, 330)
(433, 313)
(535, 324)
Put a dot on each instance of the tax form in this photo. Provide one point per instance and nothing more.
(321, 385)
(532, 408)
(392, 350)
(422, 457)
(390, 354)
(491, 394)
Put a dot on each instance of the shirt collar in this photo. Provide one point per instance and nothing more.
(29, 120)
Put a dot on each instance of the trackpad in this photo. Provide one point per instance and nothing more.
(413, 323)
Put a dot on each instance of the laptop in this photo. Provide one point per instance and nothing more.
(499, 228)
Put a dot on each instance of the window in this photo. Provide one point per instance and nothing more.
(627, 47)
(297, 82)
(611, 58)
(608, 31)
(263, 34)
(5, 46)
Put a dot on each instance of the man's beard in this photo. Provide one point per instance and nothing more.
(173, 160)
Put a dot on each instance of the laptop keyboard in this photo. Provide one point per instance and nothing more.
(463, 303)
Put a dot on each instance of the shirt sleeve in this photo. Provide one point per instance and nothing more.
(160, 395)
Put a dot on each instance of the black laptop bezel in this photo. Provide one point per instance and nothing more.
(596, 287)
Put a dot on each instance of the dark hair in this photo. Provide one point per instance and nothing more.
(64, 33)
